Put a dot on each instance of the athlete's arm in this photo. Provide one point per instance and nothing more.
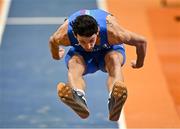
(58, 39)
(118, 35)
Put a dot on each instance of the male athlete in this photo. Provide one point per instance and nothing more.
(96, 41)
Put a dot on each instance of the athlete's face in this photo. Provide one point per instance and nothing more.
(87, 43)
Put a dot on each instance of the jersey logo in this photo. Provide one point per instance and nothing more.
(84, 11)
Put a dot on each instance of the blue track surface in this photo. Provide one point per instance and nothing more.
(28, 74)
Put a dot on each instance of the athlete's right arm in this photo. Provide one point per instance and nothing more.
(58, 39)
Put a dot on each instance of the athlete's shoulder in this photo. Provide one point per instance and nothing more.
(114, 30)
(111, 18)
(61, 35)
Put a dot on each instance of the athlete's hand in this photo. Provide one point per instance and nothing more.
(136, 65)
(61, 52)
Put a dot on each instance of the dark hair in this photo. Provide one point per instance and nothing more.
(84, 25)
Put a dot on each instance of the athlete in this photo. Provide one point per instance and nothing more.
(96, 39)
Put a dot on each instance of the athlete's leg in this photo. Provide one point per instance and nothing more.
(113, 61)
(117, 90)
(72, 93)
(76, 68)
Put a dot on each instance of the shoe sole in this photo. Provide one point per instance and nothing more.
(119, 93)
(66, 95)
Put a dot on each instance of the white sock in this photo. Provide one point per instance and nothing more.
(110, 94)
(80, 92)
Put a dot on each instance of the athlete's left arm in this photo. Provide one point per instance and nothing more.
(119, 35)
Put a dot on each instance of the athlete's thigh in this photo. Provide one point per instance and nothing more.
(105, 57)
(78, 59)
(113, 56)
(76, 64)
(75, 61)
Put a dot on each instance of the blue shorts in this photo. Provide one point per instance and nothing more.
(95, 60)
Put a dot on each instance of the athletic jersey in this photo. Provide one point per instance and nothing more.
(100, 17)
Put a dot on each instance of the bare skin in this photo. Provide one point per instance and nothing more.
(113, 59)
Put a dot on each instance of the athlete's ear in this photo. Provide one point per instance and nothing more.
(74, 34)
(98, 30)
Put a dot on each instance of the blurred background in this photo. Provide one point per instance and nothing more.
(28, 74)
